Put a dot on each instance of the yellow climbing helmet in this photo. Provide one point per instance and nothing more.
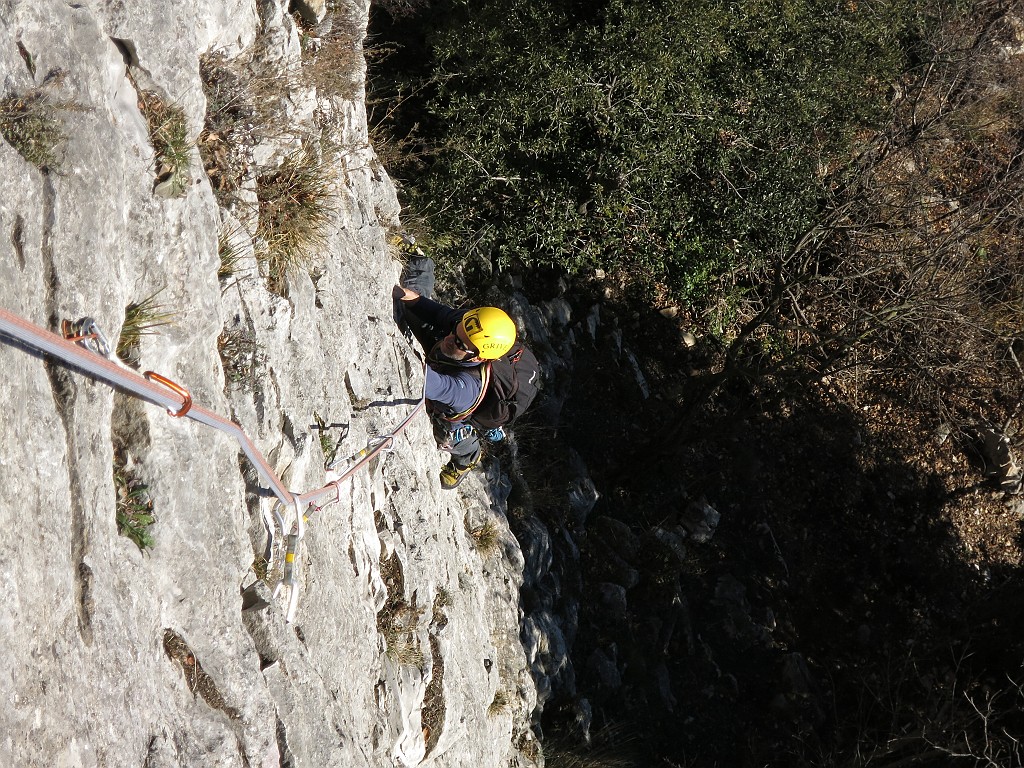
(490, 330)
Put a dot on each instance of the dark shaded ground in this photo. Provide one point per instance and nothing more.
(855, 605)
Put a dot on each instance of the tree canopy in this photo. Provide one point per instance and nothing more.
(666, 139)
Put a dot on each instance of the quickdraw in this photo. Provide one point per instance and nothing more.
(86, 330)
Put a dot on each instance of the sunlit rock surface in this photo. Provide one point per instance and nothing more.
(118, 656)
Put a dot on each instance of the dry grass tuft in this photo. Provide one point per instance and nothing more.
(141, 318)
(499, 704)
(240, 357)
(296, 207)
(485, 538)
(333, 61)
(398, 620)
(230, 128)
(231, 251)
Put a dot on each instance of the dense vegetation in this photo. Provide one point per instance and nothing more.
(829, 196)
(819, 187)
(672, 140)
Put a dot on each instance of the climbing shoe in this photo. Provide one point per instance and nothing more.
(452, 475)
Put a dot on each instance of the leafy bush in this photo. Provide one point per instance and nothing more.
(669, 140)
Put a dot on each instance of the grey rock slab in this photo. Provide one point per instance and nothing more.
(89, 677)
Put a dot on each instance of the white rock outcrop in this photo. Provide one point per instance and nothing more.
(116, 656)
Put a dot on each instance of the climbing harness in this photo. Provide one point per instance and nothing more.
(84, 348)
(484, 370)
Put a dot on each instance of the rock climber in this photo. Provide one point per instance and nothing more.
(457, 342)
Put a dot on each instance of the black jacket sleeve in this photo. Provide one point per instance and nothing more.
(430, 312)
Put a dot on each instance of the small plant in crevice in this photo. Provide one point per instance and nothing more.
(31, 123)
(231, 252)
(168, 132)
(327, 444)
(434, 706)
(141, 318)
(485, 537)
(332, 53)
(260, 567)
(242, 108)
(134, 507)
(499, 704)
(443, 599)
(403, 649)
(240, 357)
(197, 679)
(399, 619)
(296, 207)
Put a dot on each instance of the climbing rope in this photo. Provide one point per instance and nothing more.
(85, 348)
(307, 501)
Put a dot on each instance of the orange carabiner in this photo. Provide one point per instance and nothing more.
(71, 332)
(186, 398)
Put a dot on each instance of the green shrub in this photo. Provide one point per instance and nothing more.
(665, 140)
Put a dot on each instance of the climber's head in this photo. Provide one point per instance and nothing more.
(484, 333)
(489, 330)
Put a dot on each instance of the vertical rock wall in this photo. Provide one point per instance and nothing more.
(121, 656)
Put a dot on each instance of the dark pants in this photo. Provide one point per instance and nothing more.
(418, 275)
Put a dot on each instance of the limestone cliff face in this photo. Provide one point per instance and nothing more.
(405, 648)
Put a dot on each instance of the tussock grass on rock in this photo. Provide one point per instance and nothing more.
(498, 704)
(296, 206)
(141, 318)
(168, 132)
(485, 538)
(231, 251)
(31, 124)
